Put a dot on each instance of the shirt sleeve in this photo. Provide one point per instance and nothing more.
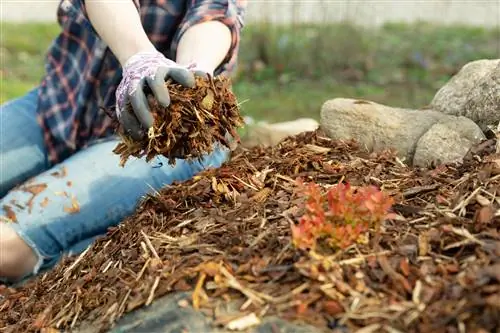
(229, 12)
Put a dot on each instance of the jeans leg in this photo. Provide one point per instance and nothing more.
(105, 192)
(22, 149)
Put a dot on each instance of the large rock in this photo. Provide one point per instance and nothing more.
(420, 137)
(447, 141)
(474, 92)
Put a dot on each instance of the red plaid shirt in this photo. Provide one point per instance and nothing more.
(82, 74)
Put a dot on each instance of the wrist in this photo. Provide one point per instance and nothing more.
(135, 50)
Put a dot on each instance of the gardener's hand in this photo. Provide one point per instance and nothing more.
(154, 69)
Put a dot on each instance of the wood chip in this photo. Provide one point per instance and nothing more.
(243, 323)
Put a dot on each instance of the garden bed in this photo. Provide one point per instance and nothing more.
(226, 237)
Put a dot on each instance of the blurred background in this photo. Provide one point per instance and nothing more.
(295, 55)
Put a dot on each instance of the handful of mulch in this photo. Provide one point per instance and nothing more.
(196, 119)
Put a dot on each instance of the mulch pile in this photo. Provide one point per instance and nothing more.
(225, 236)
(188, 128)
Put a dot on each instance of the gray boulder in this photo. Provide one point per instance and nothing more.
(474, 92)
(420, 137)
(447, 141)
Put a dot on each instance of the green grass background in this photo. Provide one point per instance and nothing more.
(287, 72)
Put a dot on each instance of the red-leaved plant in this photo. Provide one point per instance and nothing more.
(341, 216)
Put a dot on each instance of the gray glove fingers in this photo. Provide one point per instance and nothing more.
(201, 74)
(141, 108)
(158, 86)
(182, 76)
(131, 125)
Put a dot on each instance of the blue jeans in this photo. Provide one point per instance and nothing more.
(106, 193)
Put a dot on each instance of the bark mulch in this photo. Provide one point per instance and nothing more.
(195, 119)
(225, 236)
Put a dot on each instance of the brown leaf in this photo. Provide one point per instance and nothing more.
(182, 285)
(11, 215)
(485, 214)
(333, 307)
(384, 264)
(452, 268)
(494, 300)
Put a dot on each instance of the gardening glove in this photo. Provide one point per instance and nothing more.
(153, 69)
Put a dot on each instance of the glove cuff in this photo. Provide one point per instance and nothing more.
(143, 56)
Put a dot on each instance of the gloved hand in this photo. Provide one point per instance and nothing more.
(154, 69)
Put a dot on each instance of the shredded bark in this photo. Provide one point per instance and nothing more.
(196, 119)
(225, 236)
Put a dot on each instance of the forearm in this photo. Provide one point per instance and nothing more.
(205, 44)
(119, 26)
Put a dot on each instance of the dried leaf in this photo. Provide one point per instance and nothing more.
(333, 308)
(485, 214)
(208, 101)
(11, 215)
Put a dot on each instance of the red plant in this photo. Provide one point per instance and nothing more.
(340, 216)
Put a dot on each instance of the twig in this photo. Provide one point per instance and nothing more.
(253, 295)
(148, 242)
(465, 202)
(153, 289)
(76, 262)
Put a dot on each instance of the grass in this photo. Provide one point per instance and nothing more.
(287, 72)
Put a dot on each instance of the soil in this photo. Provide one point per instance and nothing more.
(225, 237)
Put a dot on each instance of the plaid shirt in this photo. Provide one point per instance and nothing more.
(82, 74)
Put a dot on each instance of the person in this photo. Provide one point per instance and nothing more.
(60, 183)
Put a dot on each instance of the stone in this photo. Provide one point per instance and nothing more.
(269, 134)
(173, 313)
(378, 127)
(474, 92)
(447, 142)
(164, 315)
